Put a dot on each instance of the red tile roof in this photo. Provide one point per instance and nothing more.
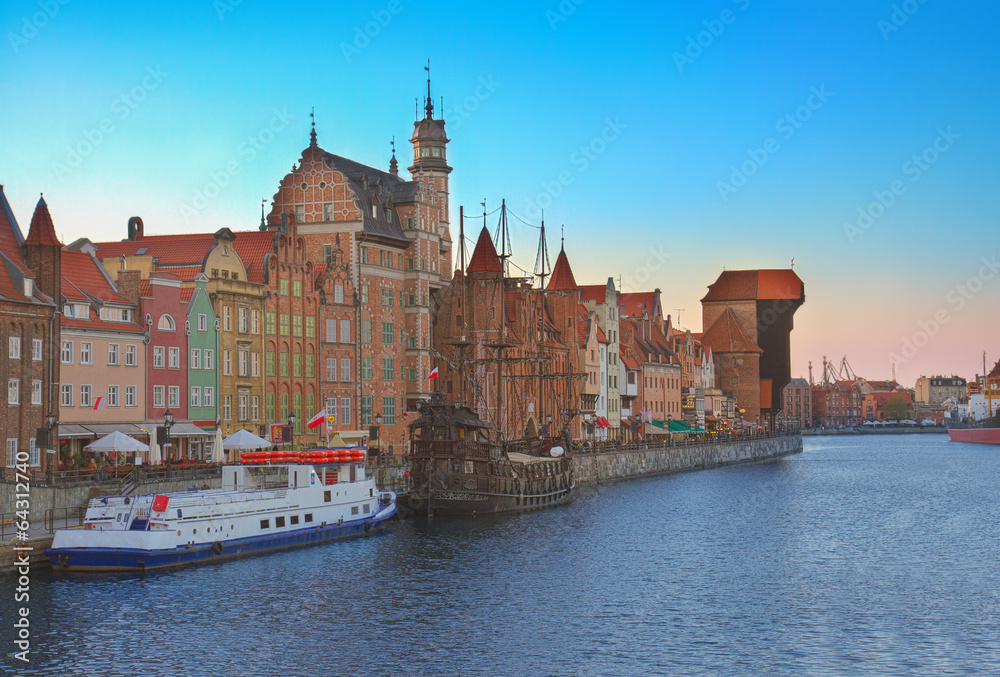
(186, 294)
(81, 272)
(601, 336)
(178, 250)
(594, 292)
(253, 246)
(10, 238)
(42, 232)
(582, 325)
(726, 336)
(746, 285)
(634, 303)
(484, 256)
(182, 272)
(562, 274)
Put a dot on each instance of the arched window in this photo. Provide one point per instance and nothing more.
(166, 323)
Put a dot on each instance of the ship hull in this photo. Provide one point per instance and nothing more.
(975, 435)
(110, 559)
(458, 503)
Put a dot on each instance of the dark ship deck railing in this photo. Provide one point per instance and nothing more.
(446, 448)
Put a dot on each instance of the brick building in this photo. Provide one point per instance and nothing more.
(29, 326)
(762, 303)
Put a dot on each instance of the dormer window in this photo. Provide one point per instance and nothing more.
(29, 287)
(374, 210)
(225, 251)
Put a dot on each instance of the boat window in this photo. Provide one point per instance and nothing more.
(469, 467)
(326, 496)
(279, 521)
(264, 524)
(354, 510)
(456, 465)
(295, 520)
(461, 433)
(308, 517)
(439, 433)
(194, 531)
(367, 508)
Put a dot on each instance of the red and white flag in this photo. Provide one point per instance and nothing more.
(433, 374)
(99, 403)
(317, 419)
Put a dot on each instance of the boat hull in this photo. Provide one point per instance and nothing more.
(458, 503)
(133, 559)
(975, 435)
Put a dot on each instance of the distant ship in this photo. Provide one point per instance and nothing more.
(461, 466)
(293, 499)
(986, 431)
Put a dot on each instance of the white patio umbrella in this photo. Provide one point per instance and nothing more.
(155, 458)
(244, 439)
(217, 455)
(115, 442)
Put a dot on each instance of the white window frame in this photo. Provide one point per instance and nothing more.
(195, 397)
(131, 355)
(86, 352)
(113, 355)
(159, 357)
(173, 357)
(14, 347)
(158, 394)
(209, 359)
(36, 391)
(208, 397)
(66, 352)
(173, 396)
(11, 452)
(113, 396)
(130, 396)
(86, 395)
(254, 321)
(254, 408)
(36, 349)
(13, 391)
(202, 322)
(34, 453)
(195, 359)
(66, 395)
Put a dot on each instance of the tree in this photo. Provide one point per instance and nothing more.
(897, 408)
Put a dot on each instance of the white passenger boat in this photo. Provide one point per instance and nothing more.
(291, 500)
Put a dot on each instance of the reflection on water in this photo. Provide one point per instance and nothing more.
(871, 555)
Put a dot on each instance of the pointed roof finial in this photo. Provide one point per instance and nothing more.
(312, 134)
(562, 238)
(393, 165)
(430, 102)
(263, 224)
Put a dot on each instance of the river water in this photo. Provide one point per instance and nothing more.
(860, 556)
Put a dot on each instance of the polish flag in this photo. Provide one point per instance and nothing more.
(99, 403)
(433, 374)
(316, 420)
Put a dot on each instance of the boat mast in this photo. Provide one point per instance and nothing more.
(542, 269)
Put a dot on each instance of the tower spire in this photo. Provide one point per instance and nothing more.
(562, 238)
(393, 165)
(430, 102)
(263, 224)
(312, 134)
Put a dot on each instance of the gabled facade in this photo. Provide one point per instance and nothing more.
(203, 351)
(603, 301)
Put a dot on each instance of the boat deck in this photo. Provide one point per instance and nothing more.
(518, 457)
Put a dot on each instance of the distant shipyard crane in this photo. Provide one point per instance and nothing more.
(832, 373)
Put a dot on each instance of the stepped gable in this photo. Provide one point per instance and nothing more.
(562, 274)
(484, 256)
(726, 336)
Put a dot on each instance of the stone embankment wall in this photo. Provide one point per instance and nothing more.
(44, 498)
(599, 467)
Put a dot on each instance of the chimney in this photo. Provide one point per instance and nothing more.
(128, 284)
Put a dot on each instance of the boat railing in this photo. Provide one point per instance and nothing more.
(225, 498)
(445, 448)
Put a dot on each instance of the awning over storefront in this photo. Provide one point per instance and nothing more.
(101, 429)
(188, 430)
(71, 430)
(652, 429)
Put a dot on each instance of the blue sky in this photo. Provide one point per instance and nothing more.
(634, 127)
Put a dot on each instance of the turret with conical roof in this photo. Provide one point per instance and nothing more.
(484, 256)
(562, 273)
(43, 251)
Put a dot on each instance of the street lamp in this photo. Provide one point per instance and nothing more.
(50, 423)
(378, 435)
(291, 428)
(168, 423)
